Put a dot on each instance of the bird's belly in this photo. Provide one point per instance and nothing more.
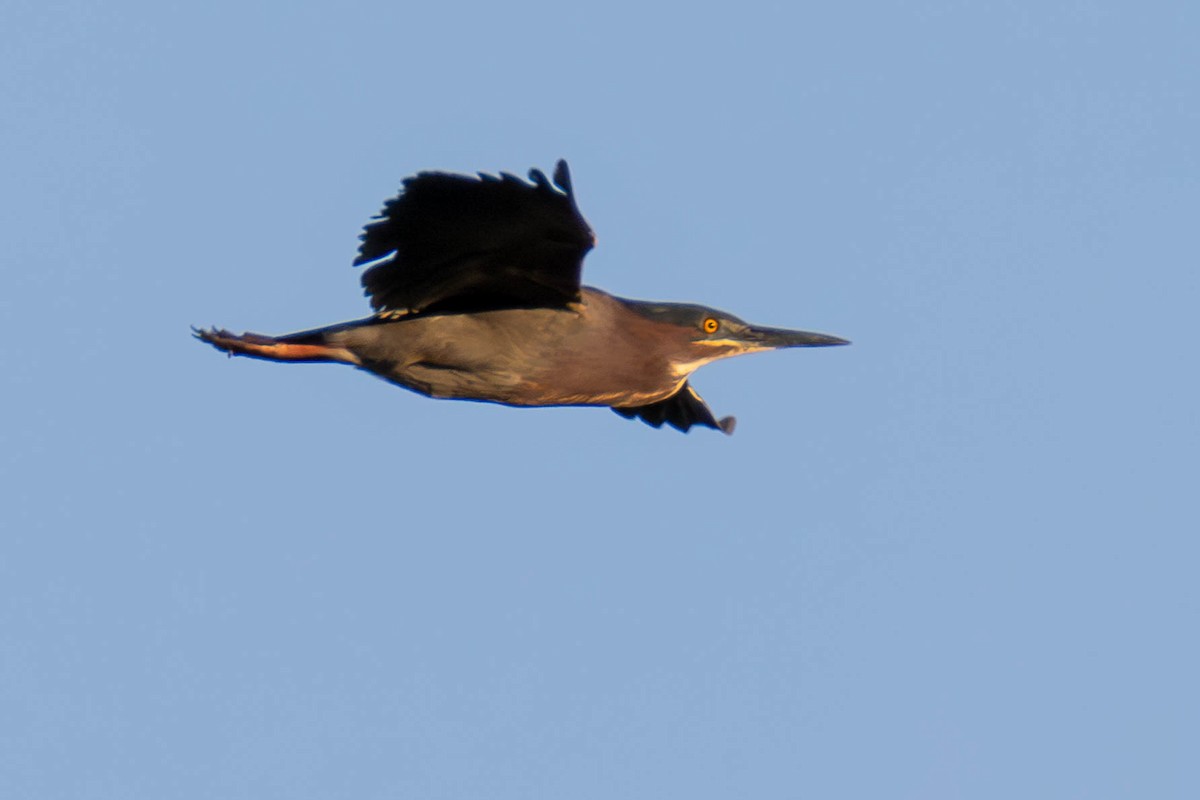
(582, 382)
(566, 382)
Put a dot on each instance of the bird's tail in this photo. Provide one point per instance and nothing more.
(304, 346)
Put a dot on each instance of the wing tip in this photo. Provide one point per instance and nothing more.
(656, 415)
(562, 178)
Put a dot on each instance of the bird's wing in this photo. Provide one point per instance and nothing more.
(463, 243)
(681, 411)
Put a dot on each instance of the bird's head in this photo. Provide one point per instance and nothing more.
(694, 335)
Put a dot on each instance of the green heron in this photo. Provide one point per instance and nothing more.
(475, 284)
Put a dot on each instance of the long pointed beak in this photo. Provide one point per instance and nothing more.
(782, 337)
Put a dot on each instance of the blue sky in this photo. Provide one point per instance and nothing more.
(956, 559)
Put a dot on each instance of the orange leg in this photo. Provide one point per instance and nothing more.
(273, 349)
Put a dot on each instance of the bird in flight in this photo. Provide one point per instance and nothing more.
(475, 285)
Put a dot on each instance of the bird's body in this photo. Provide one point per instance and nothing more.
(479, 357)
(476, 287)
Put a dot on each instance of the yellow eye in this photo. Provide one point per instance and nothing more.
(711, 325)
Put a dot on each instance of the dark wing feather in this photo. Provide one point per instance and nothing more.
(461, 243)
(681, 411)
